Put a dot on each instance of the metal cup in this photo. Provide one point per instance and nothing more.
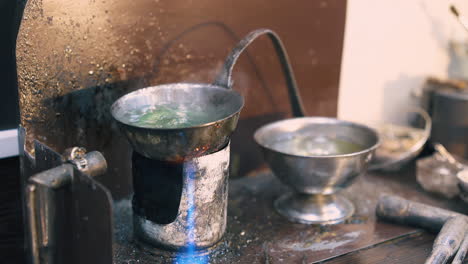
(314, 179)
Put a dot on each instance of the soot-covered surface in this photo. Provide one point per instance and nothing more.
(257, 234)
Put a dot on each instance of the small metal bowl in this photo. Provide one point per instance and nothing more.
(397, 149)
(316, 174)
(175, 144)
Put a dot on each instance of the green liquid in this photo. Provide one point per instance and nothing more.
(315, 146)
(170, 116)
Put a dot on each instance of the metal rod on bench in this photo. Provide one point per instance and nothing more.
(461, 254)
(448, 241)
(398, 210)
(453, 226)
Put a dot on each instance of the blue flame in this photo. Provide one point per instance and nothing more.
(189, 254)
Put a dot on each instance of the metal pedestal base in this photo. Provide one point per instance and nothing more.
(314, 209)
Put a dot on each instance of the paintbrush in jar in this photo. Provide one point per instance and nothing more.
(461, 19)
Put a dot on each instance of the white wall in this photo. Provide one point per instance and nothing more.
(390, 48)
(8, 143)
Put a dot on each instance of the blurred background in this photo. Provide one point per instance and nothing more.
(391, 48)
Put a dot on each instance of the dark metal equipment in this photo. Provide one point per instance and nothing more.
(447, 104)
(68, 211)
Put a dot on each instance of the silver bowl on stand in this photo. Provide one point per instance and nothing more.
(316, 157)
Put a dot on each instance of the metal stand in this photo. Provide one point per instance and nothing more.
(314, 209)
(194, 215)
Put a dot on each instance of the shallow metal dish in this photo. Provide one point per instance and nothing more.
(177, 143)
(412, 118)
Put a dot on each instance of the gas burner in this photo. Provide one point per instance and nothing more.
(181, 205)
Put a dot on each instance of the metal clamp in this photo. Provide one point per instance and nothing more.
(42, 199)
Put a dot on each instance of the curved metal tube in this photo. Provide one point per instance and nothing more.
(224, 78)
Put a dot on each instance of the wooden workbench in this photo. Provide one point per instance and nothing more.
(257, 234)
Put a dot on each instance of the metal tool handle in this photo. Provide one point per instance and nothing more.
(448, 240)
(224, 78)
(461, 254)
(399, 210)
